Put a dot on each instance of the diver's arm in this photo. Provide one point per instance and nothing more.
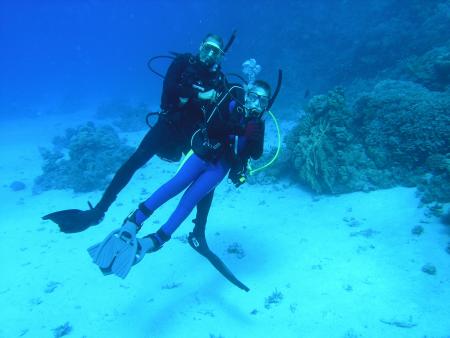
(175, 84)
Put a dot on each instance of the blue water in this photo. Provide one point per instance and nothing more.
(78, 51)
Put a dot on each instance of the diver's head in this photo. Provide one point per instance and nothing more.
(211, 50)
(257, 98)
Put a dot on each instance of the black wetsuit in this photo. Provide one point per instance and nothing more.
(171, 135)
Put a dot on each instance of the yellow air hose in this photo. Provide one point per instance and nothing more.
(183, 161)
(252, 171)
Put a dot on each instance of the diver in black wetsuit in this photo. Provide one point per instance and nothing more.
(190, 88)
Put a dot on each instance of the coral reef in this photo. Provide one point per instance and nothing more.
(82, 160)
(431, 69)
(62, 330)
(236, 249)
(435, 186)
(322, 148)
(397, 134)
(402, 123)
(274, 299)
(417, 230)
(429, 269)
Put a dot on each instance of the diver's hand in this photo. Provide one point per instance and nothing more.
(209, 95)
(238, 178)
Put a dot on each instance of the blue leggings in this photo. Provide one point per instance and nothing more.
(199, 177)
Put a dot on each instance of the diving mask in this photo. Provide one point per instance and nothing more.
(210, 52)
(256, 101)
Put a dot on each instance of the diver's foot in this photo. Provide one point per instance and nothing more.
(146, 245)
(150, 243)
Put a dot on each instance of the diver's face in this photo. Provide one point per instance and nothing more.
(210, 52)
(256, 100)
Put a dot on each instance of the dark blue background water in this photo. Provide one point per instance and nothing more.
(71, 54)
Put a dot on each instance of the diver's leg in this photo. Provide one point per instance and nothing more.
(201, 216)
(207, 181)
(187, 174)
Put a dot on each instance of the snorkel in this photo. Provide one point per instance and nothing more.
(251, 69)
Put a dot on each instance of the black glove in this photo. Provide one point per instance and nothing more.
(237, 177)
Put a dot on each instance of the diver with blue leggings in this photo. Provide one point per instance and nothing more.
(232, 134)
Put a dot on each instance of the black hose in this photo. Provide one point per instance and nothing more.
(148, 116)
(149, 64)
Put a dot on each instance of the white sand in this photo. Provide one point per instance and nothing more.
(333, 284)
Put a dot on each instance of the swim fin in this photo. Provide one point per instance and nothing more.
(94, 251)
(117, 253)
(145, 245)
(198, 243)
(75, 220)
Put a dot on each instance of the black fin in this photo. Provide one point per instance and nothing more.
(70, 220)
(202, 248)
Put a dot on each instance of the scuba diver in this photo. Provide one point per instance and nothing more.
(190, 87)
(232, 133)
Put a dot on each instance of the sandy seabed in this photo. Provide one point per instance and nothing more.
(332, 266)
